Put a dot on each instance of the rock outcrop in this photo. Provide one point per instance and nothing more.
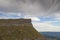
(18, 29)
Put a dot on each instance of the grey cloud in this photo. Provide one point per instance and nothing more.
(31, 7)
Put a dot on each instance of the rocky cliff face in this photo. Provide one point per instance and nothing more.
(18, 29)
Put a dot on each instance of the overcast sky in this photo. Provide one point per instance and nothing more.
(45, 14)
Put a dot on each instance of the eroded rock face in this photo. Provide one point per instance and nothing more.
(18, 29)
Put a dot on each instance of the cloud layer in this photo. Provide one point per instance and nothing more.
(42, 12)
(45, 27)
(10, 15)
(31, 7)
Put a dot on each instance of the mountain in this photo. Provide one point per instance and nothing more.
(18, 29)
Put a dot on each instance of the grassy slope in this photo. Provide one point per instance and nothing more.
(24, 31)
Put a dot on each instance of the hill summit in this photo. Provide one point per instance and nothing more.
(18, 29)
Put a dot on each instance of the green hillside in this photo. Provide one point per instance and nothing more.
(18, 29)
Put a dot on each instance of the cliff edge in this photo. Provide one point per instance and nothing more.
(18, 29)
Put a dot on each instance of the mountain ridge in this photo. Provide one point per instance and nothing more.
(18, 29)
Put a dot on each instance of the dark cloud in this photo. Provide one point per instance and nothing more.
(31, 7)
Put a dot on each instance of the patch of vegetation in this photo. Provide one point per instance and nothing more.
(24, 31)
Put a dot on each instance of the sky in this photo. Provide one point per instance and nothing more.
(45, 14)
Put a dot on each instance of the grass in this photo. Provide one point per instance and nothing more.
(24, 31)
